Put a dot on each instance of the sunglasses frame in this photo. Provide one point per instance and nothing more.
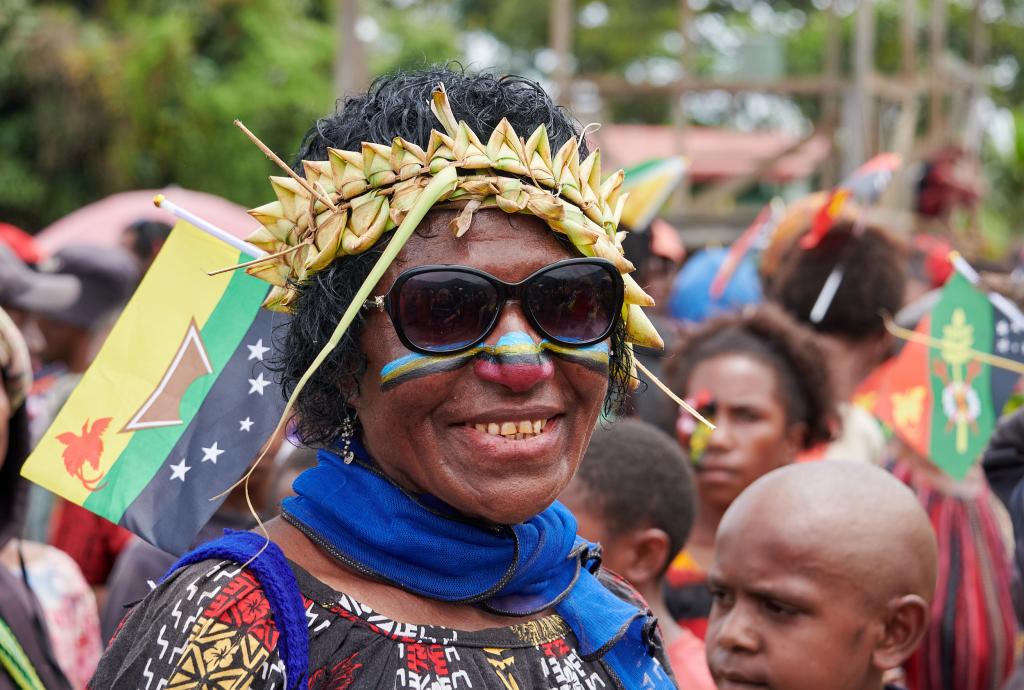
(506, 291)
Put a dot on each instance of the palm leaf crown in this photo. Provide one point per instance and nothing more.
(347, 203)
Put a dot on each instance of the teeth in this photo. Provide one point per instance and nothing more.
(513, 430)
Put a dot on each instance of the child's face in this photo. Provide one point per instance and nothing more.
(752, 435)
(787, 618)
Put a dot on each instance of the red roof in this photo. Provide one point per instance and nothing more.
(713, 153)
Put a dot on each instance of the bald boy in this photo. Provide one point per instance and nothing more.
(822, 578)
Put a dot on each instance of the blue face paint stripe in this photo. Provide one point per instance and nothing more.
(428, 368)
(514, 347)
(596, 348)
(594, 357)
(411, 361)
(513, 338)
(413, 367)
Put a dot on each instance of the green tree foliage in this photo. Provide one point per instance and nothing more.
(102, 97)
(99, 97)
(601, 46)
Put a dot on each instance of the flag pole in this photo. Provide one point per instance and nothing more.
(938, 343)
(999, 301)
(160, 201)
(964, 268)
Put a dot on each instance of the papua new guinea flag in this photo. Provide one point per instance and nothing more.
(944, 398)
(177, 403)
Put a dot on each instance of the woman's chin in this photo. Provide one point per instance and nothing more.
(507, 502)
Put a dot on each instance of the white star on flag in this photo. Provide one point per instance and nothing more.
(212, 453)
(258, 350)
(257, 384)
(178, 471)
(245, 424)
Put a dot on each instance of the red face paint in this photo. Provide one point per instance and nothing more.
(690, 433)
(516, 376)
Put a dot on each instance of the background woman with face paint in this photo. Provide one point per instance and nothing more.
(760, 379)
(426, 548)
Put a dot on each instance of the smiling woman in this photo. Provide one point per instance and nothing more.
(426, 547)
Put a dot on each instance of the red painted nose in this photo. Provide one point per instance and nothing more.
(516, 376)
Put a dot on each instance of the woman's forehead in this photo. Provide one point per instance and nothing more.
(736, 375)
(509, 246)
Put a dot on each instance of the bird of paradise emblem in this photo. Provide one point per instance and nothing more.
(84, 449)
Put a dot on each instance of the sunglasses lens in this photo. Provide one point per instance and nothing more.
(575, 303)
(444, 311)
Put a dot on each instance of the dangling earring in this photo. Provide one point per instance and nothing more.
(348, 431)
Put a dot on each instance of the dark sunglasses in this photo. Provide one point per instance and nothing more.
(449, 309)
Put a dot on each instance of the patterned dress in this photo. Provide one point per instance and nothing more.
(210, 626)
(971, 637)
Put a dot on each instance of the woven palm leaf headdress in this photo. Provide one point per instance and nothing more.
(346, 203)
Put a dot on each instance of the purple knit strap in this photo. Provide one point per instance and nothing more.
(276, 579)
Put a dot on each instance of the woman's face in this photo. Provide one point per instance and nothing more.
(752, 436)
(441, 433)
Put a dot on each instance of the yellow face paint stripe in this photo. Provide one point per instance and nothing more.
(417, 365)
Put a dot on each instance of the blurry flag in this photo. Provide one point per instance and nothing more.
(865, 185)
(753, 238)
(650, 184)
(944, 398)
(177, 403)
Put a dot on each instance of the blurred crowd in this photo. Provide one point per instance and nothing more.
(781, 381)
(786, 384)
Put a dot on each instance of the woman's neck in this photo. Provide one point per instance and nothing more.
(701, 544)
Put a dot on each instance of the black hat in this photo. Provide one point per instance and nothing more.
(29, 290)
(108, 276)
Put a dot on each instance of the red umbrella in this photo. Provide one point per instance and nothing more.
(103, 222)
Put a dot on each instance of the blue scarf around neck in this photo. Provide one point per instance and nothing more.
(421, 545)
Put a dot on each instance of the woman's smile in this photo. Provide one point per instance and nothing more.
(511, 430)
(513, 425)
(515, 444)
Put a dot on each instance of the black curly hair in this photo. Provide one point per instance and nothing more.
(638, 477)
(768, 334)
(874, 280)
(397, 105)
